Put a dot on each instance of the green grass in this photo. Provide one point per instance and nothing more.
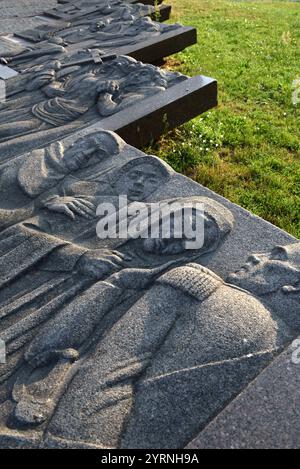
(247, 149)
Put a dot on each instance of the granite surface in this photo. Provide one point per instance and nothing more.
(130, 343)
(266, 415)
(43, 116)
(174, 327)
(16, 16)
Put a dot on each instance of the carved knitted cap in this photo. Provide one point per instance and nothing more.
(291, 253)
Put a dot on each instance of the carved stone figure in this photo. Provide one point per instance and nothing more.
(73, 10)
(63, 196)
(67, 345)
(275, 278)
(27, 87)
(43, 50)
(80, 95)
(222, 338)
(43, 31)
(108, 36)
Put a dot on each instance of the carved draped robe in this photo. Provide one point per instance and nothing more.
(29, 180)
(65, 104)
(37, 277)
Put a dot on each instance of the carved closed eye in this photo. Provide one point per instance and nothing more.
(135, 174)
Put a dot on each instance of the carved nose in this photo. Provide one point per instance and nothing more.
(139, 182)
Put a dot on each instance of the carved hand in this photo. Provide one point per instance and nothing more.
(101, 263)
(139, 279)
(72, 207)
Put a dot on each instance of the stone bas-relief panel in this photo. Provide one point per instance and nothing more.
(73, 10)
(87, 23)
(15, 16)
(136, 342)
(84, 89)
(62, 4)
(112, 35)
(119, 84)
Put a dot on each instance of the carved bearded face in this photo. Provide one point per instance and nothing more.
(269, 272)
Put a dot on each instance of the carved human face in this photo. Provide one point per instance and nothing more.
(139, 182)
(174, 246)
(82, 154)
(142, 75)
(266, 273)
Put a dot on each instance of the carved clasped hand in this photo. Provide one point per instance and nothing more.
(72, 207)
(102, 263)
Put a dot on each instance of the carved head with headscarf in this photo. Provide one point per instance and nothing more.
(43, 169)
(205, 225)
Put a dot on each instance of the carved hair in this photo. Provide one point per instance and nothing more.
(106, 140)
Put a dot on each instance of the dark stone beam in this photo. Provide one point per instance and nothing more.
(167, 44)
(163, 113)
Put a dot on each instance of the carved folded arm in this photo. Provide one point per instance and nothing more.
(107, 106)
(94, 263)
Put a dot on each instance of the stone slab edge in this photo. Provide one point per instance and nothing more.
(266, 415)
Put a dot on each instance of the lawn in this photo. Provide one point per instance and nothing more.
(247, 149)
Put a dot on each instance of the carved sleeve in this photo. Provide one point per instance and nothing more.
(64, 259)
